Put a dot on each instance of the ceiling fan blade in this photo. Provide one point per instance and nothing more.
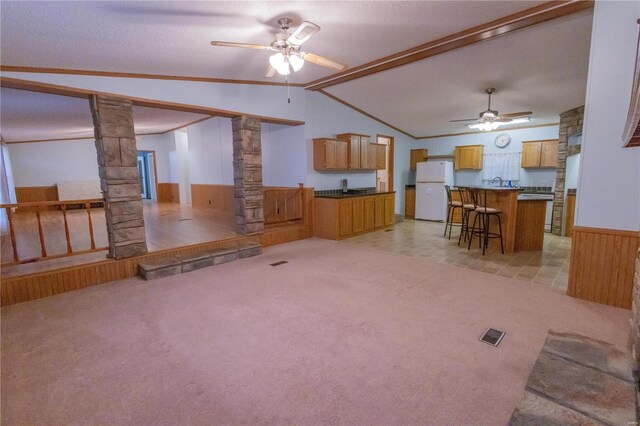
(516, 114)
(303, 33)
(322, 61)
(503, 120)
(466, 119)
(271, 71)
(245, 45)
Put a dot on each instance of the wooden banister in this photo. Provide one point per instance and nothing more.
(39, 207)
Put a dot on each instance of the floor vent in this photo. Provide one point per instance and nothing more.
(388, 230)
(492, 337)
(182, 220)
(282, 262)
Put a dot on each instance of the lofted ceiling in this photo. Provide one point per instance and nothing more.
(29, 116)
(542, 68)
(172, 38)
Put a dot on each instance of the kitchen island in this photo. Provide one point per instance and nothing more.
(522, 219)
(338, 216)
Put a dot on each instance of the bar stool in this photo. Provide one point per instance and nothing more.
(451, 208)
(469, 204)
(485, 213)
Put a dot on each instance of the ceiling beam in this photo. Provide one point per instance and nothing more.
(505, 25)
(36, 86)
(67, 71)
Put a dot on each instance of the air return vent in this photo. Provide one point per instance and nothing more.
(282, 262)
(492, 337)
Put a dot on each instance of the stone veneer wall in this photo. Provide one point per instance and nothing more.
(247, 175)
(118, 170)
(570, 124)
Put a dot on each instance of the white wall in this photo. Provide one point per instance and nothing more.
(284, 153)
(609, 182)
(162, 145)
(46, 163)
(211, 152)
(182, 166)
(528, 177)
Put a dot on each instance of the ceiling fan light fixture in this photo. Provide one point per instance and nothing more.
(277, 60)
(296, 62)
(284, 69)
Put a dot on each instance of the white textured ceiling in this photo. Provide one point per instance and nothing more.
(541, 69)
(27, 116)
(172, 38)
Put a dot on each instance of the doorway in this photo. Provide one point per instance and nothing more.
(384, 177)
(147, 175)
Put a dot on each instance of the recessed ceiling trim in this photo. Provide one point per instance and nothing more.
(36, 86)
(532, 16)
(43, 70)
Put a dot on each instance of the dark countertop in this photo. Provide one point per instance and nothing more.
(364, 194)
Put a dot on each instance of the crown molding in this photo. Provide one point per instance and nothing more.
(505, 25)
(43, 70)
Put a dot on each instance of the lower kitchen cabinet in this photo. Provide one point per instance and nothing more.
(337, 218)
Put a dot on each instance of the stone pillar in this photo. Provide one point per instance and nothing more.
(247, 175)
(570, 124)
(118, 170)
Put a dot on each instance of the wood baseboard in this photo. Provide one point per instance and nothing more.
(602, 265)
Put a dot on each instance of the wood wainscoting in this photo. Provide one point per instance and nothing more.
(602, 265)
(218, 197)
(168, 192)
(34, 194)
(42, 284)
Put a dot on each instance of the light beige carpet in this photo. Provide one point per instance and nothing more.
(340, 334)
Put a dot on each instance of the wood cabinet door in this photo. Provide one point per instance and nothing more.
(270, 208)
(358, 214)
(345, 217)
(389, 209)
(365, 156)
(281, 206)
(369, 213)
(330, 155)
(410, 203)
(378, 215)
(354, 152)
(381, 156)
(549, 154)
(417, 156)
(531, 154)
(468, 157)
(342, 155)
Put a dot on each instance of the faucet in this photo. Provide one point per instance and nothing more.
(498, 178)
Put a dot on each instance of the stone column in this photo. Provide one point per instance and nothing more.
(247, 175)
(570, 124)
(118, 170)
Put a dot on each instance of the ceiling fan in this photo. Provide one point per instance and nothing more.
(287, 47)
(490, 119)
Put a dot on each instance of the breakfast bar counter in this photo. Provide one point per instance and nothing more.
(522, 220)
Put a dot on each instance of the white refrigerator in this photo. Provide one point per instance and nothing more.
(431, 196)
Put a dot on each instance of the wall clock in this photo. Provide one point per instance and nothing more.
(502, 140)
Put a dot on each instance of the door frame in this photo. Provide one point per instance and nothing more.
(391, 157)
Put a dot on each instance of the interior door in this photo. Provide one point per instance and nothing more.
(382, 164)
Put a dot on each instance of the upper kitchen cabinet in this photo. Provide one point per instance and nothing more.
(539, 154)
(469, 157)
(330, 154)
(417, 156)
(377, 156)
(358, 148)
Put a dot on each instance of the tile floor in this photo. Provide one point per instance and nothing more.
(420, 239)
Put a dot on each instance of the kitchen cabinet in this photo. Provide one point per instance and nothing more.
(468, 157)
(377, 156)
(539, 154)
(358, 148)
(330, 154)
(410, 203)
(358, 215)
(417, 156)
(337, 218)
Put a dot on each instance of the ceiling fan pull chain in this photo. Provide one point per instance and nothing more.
(288, 92)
